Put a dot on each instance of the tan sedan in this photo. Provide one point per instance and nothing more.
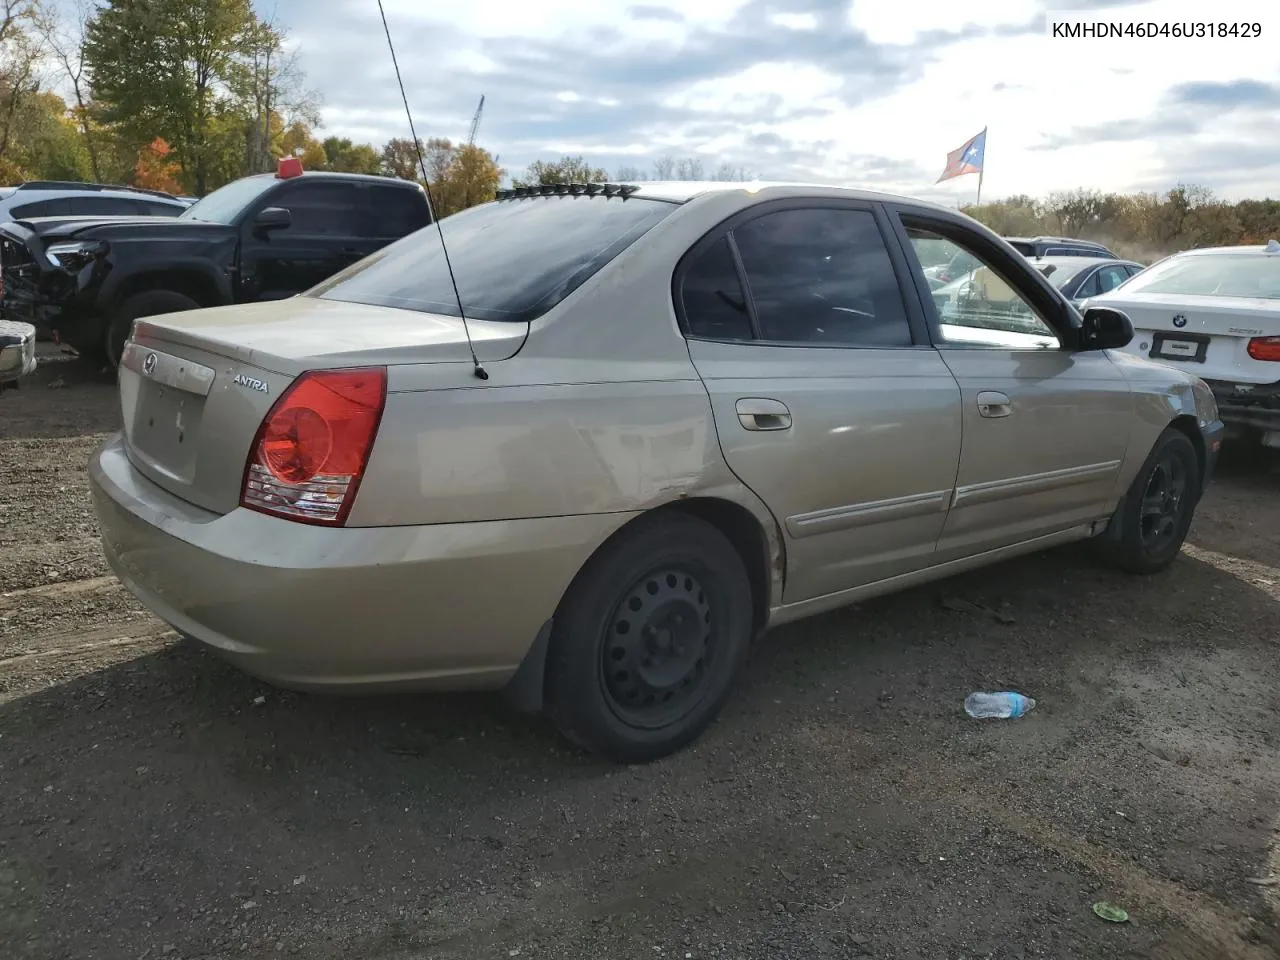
(693, 411)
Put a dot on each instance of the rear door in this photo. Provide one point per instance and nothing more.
(325, 236)
(1045, 427)
(829, 403)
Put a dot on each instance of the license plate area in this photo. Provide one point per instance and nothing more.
(1183, 347)
(165, 428)
(163, 400)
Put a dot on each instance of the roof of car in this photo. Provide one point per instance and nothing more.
(334, 175)
(1261, 249)
(1071, 241)
(680, 191)
(38, 189)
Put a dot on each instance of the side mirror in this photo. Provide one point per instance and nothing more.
(272, 218)
(1105, 329)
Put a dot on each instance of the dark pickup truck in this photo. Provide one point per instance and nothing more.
(265, 237)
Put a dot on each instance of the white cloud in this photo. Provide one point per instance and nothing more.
(562, 77)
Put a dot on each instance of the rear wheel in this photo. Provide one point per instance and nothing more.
(648, 639)
(148, 303)
(1156, 513)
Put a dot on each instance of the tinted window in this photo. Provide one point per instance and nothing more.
(1024, 248)
(513, 259)
(101, 207)
(1089, 288)
(395, 211)
(41, 208)
(147, 208)
(321, 209)
(822, 276)
(1111, 277)
(714, 306)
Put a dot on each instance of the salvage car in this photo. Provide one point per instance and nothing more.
(264, 237)
(618, 432)
(17, 352)
(1214, 312)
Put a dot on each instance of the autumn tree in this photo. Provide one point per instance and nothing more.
(169, 68)
(298, 141)
(400, 158)
(156, 170)
(20, 57)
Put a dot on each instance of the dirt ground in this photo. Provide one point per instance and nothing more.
(156, 803)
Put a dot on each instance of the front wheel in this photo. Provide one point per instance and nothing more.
(648, 639)
(1156, 513)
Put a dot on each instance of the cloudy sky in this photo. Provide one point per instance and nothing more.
(867, 92)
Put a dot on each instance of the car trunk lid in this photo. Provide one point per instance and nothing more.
(1208, 336)
(195, 386)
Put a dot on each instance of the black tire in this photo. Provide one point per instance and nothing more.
(648, 639)
(1151, 523)
(148, 303)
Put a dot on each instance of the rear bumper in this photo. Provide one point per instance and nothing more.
(1254, 405)
(452, 606)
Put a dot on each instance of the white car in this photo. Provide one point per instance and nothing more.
(1215, 313)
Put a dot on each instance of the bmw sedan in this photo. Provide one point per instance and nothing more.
(648, 423)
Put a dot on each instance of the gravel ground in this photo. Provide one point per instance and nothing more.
(156, 803)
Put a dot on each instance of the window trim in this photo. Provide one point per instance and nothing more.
(917, 323)
(1048, 304)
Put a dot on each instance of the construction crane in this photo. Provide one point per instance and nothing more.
(475, 123)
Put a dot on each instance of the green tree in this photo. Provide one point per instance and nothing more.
(170, 69)
(564, 170)
(344, 156)
(400, 158)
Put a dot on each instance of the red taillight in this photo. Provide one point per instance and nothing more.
(1265, 348)
(310, 452)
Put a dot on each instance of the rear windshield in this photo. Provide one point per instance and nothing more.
(513, 259)
(1247, 275)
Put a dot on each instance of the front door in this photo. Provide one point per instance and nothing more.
(326, 234)
(828, 401)
(1046, 427)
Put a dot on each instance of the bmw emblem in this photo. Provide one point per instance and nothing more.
(1179, 320)
(149, 364)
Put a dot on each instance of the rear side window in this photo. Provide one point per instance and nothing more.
(513, 259)
(395, 212)
(101, 207)
(822, 276)
(715, 307)
(41, 208)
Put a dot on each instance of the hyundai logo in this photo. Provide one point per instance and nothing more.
(149, 364)
(1179, 320)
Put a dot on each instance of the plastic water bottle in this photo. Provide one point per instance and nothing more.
(1001, 705)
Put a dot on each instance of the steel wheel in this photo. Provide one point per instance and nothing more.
(1163, 502)
(659, 644)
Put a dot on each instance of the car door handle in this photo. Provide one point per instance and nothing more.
(993, 404)
(759, 413)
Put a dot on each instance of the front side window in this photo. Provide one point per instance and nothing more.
(982, 309)
(320, 209)
(227, 203)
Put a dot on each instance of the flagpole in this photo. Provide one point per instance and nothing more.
(982, 169)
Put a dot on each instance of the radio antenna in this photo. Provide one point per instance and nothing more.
(477, 368)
